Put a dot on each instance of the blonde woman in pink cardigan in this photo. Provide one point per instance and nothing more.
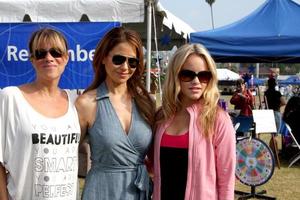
(194, 147)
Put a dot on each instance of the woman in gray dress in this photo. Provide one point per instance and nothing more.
(117, 113)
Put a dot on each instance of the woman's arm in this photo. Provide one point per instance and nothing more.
(86, 109)
(235, 99)
(81, 115)
(249, 98)
(149, 160)
(3, 183)
(282, 101)
(4, 109)
(225, 152)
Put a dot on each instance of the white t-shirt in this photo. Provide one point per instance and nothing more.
(40, 153)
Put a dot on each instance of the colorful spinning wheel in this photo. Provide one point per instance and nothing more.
(255, 162)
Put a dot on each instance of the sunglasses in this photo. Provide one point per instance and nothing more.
(188, 75)
(42, 53)
(119, 60)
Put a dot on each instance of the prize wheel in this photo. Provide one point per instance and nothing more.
(255, 162)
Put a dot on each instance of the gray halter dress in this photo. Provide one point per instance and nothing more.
(118, 171)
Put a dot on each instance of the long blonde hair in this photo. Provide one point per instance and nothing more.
(171, 102)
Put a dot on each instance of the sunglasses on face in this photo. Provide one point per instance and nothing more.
(42, 53)
(188, 75)
(119, 60)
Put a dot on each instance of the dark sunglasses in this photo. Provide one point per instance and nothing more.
(188, 75)
(42, 53)
(119, 60)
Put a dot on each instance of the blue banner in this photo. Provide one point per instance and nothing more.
(82, 37)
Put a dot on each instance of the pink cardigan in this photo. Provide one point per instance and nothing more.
(211, 162)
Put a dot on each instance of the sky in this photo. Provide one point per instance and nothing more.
(197, 13)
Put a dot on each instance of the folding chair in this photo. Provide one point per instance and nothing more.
(245, 123)
(297, 156)
(236, 126)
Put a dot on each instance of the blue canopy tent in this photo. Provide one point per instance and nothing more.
(292, 80)
(269, 34)
(257, 81)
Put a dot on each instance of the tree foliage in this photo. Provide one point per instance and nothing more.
(210, 2)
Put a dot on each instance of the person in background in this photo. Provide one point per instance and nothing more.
(291, 116)
(289, 92)
(274, 100)
(194, 145)
(117, 114)
(242, 99)
(39, 128)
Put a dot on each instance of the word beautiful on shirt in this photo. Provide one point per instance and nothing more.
(56, 139)
(55, 161)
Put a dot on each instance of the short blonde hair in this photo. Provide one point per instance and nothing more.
(50, 36)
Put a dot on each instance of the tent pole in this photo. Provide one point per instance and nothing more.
(257, 70)
(148, 55)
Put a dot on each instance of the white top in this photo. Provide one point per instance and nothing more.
(40, 153)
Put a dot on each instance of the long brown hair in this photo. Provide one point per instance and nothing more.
(135, 85)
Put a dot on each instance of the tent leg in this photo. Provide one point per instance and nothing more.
(148, 57)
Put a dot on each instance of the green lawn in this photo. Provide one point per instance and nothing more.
(284, 184)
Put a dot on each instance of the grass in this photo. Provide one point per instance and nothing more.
(284, 184)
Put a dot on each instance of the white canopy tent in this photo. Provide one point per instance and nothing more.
(72, 10)
(131, 13)
(170, 30)
(227, 75)
(173, 22)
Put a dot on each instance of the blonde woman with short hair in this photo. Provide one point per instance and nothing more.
(39, 128)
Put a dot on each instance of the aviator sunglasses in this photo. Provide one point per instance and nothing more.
(119, 60)
(188, 75)
(42, 53)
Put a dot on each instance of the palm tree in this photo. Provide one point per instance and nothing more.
(210, 2)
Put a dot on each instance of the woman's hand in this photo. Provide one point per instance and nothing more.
(3, 183)
(241, 95)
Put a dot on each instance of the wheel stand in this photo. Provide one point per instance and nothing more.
(253, 194)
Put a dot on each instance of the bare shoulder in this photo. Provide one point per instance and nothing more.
(86, 98)
(86, 102)
(86, 108)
